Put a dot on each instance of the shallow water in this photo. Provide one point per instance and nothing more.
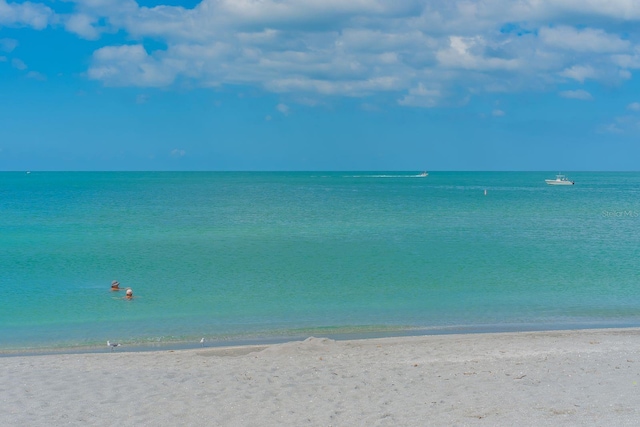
(234, 256)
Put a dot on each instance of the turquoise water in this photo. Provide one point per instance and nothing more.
(239, 256)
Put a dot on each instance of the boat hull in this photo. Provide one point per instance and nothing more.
(555, 182)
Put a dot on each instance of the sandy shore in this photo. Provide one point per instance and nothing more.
(526, 379)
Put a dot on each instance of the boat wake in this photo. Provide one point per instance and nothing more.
(385, 176)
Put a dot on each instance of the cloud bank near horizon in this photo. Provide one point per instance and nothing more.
(421, 53)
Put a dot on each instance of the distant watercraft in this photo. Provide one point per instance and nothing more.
(424, 173)
(560, 180)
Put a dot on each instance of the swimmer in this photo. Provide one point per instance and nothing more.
(115, 285)
(129, 294)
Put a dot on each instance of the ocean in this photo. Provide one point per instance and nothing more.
(249, 257)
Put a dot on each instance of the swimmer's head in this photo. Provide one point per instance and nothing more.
(115, 283)
(129, 292)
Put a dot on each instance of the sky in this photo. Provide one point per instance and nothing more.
(281, 85)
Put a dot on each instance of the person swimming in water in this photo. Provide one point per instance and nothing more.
(115, 285)
(129, 294)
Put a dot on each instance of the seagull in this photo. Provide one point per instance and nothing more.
(113, 344)
(202, 342)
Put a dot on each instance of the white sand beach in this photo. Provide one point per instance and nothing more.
(560, 378)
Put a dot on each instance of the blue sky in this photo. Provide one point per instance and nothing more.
(320, 85)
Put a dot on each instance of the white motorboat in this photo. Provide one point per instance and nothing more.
(560, 180)
(425, 173)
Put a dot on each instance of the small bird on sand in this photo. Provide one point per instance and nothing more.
(113, 344)
(202, 342)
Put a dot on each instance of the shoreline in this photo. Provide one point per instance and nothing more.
(568, 377)
(345, 334)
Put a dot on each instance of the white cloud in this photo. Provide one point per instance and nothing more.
(612, 128)
(284, 109)
(623, 124)
(131, 65)
(18, 64)
(497, 113)
(36, 75)
(461, 53)
(338, 87)
(634, 106)
(618, 9)
(576, 94)
(7, 45)
(585, 40)
(142, 98)
(579, 72)
(353, 49)
(27, 14)
(631, 60)
(421, 96)
(420, 51)
(177, 153)
(82, 25)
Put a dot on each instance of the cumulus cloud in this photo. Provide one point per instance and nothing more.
(335, 48)
(583, 40)
(283, 108)
(617, 9)
(419, 51)
(82, 25)
(25, 14)
(421, 96)
(628, 61)
(579, 72)
(470, 53)
(36, 76)
(7, 45)
(576, 94)
(623, 124)
(18, 64)
(634, 106)
(132, 65)
(612, 128)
